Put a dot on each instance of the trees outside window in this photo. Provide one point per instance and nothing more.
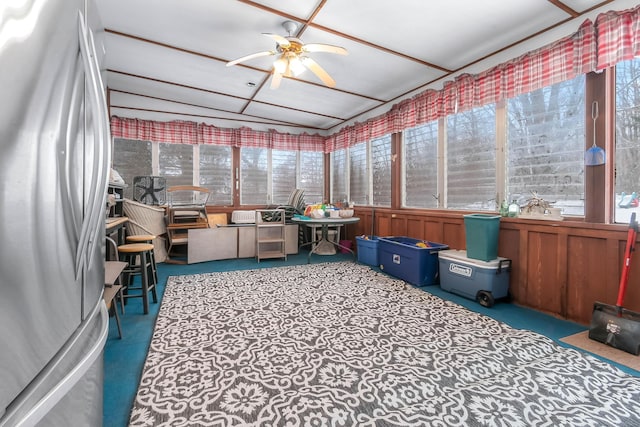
(339, 176)
(471, 159)
(420, 166)
(216, 173)
(381, 170)
(312, 176)
(627, 157)
(254, 173)
(358, 174)
(545, 146)
(283, 175)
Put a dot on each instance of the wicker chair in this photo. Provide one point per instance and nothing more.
(146, 219)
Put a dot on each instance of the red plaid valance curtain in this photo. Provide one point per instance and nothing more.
(614, 37)
(181, 132)
(560, 61)
(618, 36)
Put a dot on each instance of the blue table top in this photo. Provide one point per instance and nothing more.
(329, 221)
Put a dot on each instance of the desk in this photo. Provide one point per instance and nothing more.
(325, 223)
(114, 224)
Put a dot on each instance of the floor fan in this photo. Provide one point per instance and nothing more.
(150, 190)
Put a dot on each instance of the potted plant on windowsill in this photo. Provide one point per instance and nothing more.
(538, 208)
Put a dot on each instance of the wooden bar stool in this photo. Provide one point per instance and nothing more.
(146, 238)
(138, 257)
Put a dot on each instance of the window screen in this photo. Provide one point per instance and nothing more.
(420, 166)
(283, 175)
(471, 159)
(176, 163)
(312, 176)
(216, 173)
(132, 158)
(545, 146)
(253, 176)
(381, 170)
(627, 158)
(339, 176)
(358, 177)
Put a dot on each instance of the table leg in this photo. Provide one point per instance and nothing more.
(324, 236)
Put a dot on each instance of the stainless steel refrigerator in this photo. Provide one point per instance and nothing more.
(54, 157)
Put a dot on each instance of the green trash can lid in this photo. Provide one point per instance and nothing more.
(481, 216)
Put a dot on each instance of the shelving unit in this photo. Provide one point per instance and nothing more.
(118, 191)
(247, 240)
(186, 210)
(270, 236)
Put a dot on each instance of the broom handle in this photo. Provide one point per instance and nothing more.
(631, 242)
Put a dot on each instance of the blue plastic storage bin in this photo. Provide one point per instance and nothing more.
(367, 250)
(403, 258)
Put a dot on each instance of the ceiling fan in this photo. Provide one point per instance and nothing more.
(292, 60)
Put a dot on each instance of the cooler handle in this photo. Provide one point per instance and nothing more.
(507, 262)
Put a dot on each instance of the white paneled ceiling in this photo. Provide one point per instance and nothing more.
(166, 59)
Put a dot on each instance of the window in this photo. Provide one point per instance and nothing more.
(270, 176)
(545, 146)
(362, 173)
(216, 173)
(176, 163)
(339, 176)
(471, 159)
(627, 157)
(312, 176)
(254, 176)
(283, 175)
(132, 158)
(358, 174)
(420, 166)
(381, 170)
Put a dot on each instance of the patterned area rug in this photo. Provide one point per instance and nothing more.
(338, 344)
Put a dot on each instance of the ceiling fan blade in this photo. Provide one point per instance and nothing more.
(252, 56)
(318, 71)
(320, 47)
(276, 79)
(282, 41)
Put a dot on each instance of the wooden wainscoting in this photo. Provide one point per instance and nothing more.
(559, 267)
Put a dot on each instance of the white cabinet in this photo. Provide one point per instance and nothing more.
(270, 235)
(209, 244)
(291, 239)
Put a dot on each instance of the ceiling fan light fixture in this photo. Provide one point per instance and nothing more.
(280, 65)
(291, 56)
(296, 66)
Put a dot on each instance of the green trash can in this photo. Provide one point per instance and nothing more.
(481, 232)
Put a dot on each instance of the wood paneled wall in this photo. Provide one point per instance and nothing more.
(559, 267)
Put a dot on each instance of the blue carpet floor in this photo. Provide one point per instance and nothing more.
(124, 358)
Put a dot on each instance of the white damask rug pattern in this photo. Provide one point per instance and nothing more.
(338, 344)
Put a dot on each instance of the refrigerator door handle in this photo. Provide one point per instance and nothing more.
(97, 193)
(44, 405)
